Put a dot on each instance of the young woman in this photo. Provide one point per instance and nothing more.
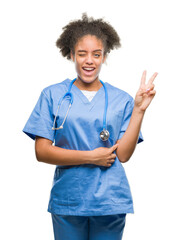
(95, 128)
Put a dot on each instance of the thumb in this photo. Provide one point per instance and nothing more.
(142, 91)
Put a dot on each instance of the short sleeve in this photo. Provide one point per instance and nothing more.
(40, 121)
(126, 119)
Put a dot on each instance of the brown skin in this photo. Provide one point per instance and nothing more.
(143, 98)
(46, 152)
(89, 53)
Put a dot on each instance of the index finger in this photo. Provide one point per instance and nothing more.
(114, 147)
(143, 78)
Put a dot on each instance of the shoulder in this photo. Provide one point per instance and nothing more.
(56, 90)
(121, 95)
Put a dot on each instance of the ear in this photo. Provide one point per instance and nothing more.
(72, 56)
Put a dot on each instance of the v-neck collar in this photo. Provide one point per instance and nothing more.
(84, 99)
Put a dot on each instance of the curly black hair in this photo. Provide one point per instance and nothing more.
(87, 25)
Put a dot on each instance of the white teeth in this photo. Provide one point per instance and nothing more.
(88, 69)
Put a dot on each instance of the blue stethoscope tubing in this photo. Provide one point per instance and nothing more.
(104, 135)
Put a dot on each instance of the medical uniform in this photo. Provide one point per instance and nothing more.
(86, 189)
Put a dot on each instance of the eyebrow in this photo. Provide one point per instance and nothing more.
(97, 50)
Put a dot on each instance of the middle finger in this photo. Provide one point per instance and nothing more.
(151, 80)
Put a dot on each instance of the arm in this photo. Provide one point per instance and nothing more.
(127, 144)
(47, 153)
(144, 96)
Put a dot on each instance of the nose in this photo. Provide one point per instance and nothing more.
(89, 60)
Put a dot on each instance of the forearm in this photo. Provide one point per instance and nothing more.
(127, 144)
(47, 153)
(59, 156)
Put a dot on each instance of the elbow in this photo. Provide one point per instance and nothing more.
(123, 159)
(38, 154)
(122, 156)
(41, 149)
(120, 153)
(41, 152)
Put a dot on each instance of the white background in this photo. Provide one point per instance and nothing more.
(29, 61)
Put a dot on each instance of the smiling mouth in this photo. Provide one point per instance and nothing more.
(88, 69)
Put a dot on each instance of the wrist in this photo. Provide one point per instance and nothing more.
(89, 156)
(138, 111)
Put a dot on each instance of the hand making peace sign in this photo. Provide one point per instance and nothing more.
(146, 92)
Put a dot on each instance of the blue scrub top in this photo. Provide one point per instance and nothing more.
(86, 189)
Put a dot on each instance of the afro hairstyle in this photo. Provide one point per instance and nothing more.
(87, 26)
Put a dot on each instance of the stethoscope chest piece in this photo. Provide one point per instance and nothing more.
(104, 135)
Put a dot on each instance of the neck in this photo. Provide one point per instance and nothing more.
(93, 86)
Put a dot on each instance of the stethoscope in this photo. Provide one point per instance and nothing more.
(104, 134)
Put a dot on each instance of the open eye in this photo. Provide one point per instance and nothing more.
(97, 55)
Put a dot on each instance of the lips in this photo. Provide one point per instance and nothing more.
(88, 69)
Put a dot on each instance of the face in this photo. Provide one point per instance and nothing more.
(88, 58)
